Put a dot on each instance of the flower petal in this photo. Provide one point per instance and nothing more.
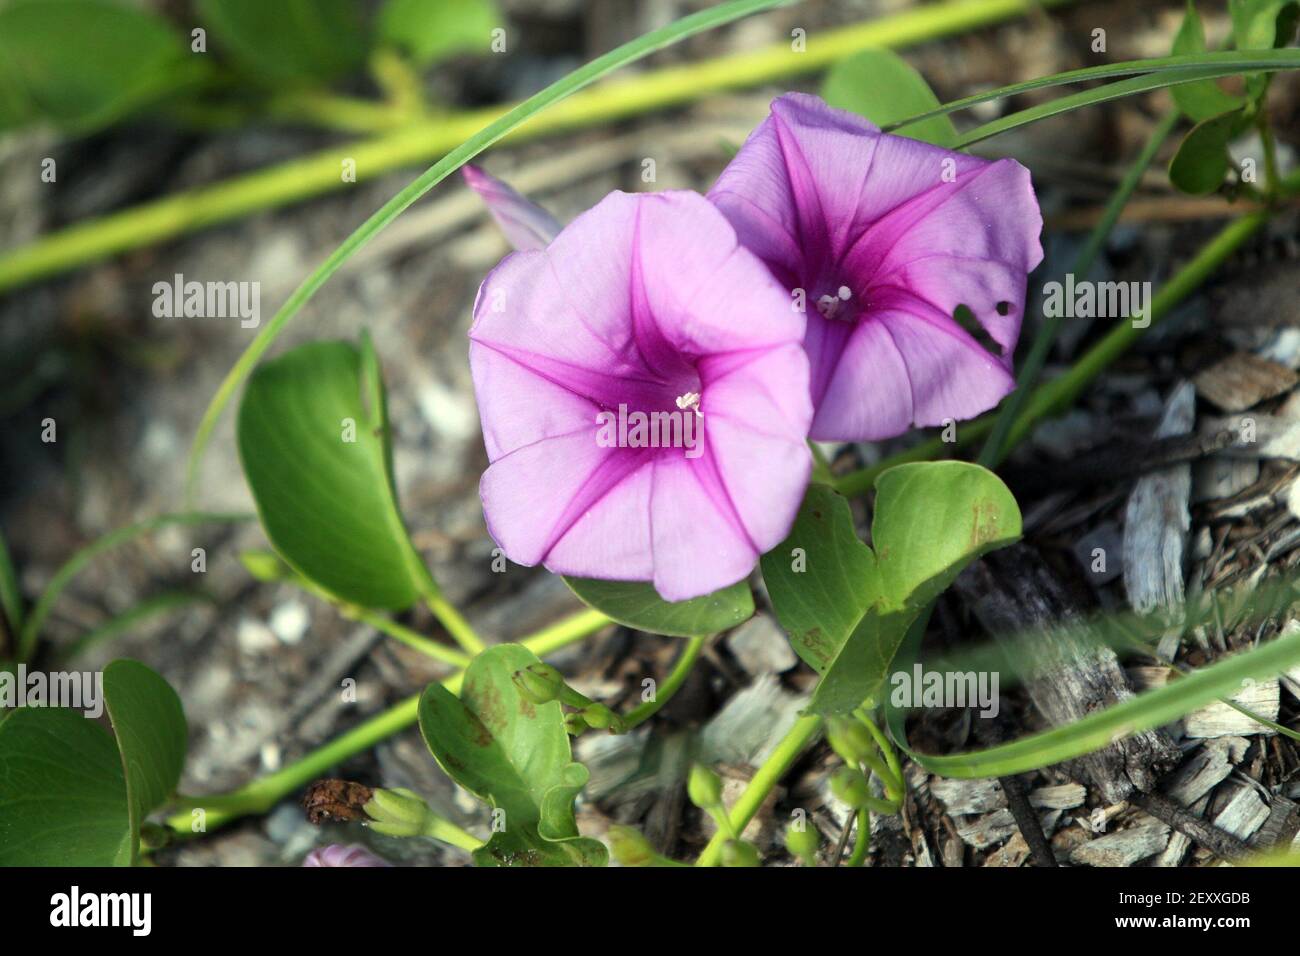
(526, 225)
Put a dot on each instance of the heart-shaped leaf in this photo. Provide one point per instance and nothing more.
(1262, 25)
(149, 724)
(821, 578)
(513, 754)
(428, 32)
(288, 41)
(639, 605)
(70, 795)
(931, 520)
(1202, 159)
(1201, 100)
(81, 64)
(314, 442)
(885, 88)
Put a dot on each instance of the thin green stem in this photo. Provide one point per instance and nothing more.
(420, 142)
(995, 448)
(862, 841)
(1050, 397)
(454, 622)
(447, 832)
(663, 694)
(73, 566)
(1270, 153)
(410, 637)
(780, 760)
(260, 795)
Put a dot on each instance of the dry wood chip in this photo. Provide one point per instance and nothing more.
(966, 797)
(1242, 381)
(984, 831)
(1123, 847)
(1244, 814)
(1220, 720)
(1221, 477)
(1258, 435)
(1180, 843)
(1156, 519)
(1207, 767)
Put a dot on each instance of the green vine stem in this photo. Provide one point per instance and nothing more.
(260, 795)
(780, 760)
(676, 677)
(1050, 397)
(454, 622)
(421, 141)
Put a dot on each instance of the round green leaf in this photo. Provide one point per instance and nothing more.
(931, 520)
(1202, 159)
(513, 754)
(1201, 100)
(62, 795)
(289, 41)
(885, 88)
(431, 31)
(84, 63)
(313, 439)
(151, 736)
(69, 794)
(821, 579)
(636, 604)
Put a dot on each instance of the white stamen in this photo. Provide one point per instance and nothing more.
(845, 294)
(690, 400)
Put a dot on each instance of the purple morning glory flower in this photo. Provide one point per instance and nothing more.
(644, 399)
(886, 237)
(336, 854)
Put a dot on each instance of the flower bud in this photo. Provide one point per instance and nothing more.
(803, 840)
(264, 565)
(629, 847)
(540, 683)
(399, 813)
(739, 853)
(849, 785)
(602, 718)
(849, 739)
(704, 787)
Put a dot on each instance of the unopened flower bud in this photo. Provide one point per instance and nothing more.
(629, 847)
(704, 787)
(802, 840)
(739, 853)
(264, 565)
(849, 739)
(602, 718)
(849, 785)
(540, 683)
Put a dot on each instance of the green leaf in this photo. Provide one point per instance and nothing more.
(629, 52)
(639, 605)
(70, 795)
(1202, 159)
(288, 41)
(885, 88)
(1262, 25)
(821, 578)
(314, 441)
(1202, 100)
(933, 519)
(514, 755)
(431, 31)
(11, 598)
(151, 735)
(62, 795)
(82, 64)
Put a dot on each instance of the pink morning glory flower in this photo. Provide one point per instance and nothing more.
(644, 399)
(880, 238)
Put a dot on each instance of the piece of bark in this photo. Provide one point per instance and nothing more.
(1243, 814)
(1257, 435)
(1281, 827)
(1218, 719)
(1220, 477)
(1242, 381)
(1179, 842)
(1012, 592)
(1205, 769)
(1156, 522)
(1222, 844)
(1123, 847)
(964, 797)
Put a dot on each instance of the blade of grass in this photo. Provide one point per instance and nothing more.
(150, 607)
(1148, 710)
(11, 597)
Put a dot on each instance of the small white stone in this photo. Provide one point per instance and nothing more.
(289, 622)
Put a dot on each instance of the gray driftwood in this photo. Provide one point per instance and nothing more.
(1012, 591)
